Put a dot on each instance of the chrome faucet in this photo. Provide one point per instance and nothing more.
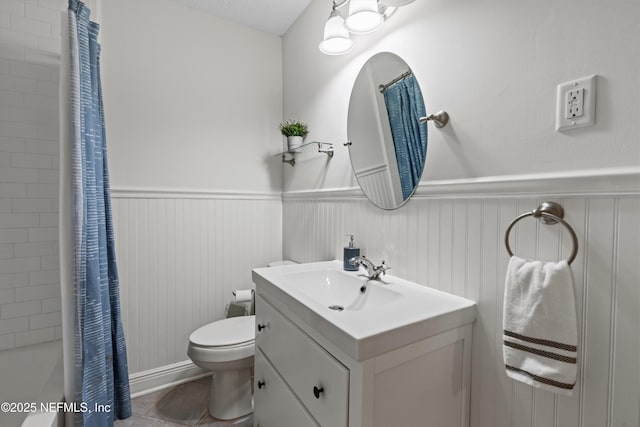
(373, 271)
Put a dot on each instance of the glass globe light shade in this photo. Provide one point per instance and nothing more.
(364, 16)
(336, 40)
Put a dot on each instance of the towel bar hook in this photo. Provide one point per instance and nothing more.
(548, 213)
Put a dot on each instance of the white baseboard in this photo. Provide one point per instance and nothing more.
(155, 379)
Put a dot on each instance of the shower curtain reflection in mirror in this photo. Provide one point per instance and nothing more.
(405, 106)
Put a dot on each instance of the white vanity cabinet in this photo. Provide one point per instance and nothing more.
(318, 380)
(305, 378)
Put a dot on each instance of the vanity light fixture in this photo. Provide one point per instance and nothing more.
(364, 16)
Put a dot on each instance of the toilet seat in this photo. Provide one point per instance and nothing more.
(226, 332)
(225, 340)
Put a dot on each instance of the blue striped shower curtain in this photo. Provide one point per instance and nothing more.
(101, 372)
(405, 106)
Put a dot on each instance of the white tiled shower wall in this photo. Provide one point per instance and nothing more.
(29, 74)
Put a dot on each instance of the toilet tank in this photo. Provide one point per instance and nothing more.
(280, 263)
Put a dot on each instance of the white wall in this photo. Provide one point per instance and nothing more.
(29, 73)
(179, 257)
(455, 243)
(191, 100)
(494, 66)
(192, 105)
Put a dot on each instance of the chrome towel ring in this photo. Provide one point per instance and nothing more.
(548, 213)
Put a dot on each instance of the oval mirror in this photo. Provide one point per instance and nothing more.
(387, 142)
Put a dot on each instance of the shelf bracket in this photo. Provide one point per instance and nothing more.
(327, 151)
(323, 147)
(291, 161)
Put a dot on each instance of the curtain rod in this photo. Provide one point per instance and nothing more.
(396, 80)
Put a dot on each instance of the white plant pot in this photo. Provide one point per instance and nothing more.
(294, 142)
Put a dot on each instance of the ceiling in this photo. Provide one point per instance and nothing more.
(273, 16)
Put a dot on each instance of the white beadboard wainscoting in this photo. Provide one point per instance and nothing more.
(450, 236)
(180, 255)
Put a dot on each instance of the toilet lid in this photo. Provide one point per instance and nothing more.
(225, 332)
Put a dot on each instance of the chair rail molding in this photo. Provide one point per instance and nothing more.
(612, 181)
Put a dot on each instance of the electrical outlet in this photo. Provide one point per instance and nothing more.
(576, 104)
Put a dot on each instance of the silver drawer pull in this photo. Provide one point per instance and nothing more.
(317, 391)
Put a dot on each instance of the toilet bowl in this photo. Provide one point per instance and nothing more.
(227, 347)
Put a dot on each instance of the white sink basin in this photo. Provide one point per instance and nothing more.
(339, 290)
(365, 322)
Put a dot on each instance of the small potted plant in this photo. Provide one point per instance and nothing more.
(295, 131)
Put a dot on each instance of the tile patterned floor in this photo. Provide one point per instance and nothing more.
(183, 405)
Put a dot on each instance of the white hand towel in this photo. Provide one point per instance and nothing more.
(540, 325)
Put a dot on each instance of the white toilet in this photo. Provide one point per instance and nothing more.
(227, 348)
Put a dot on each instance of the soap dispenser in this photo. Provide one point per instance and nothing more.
(350, 251)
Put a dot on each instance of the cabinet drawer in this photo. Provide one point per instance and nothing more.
(275, 405)
(317, 378)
